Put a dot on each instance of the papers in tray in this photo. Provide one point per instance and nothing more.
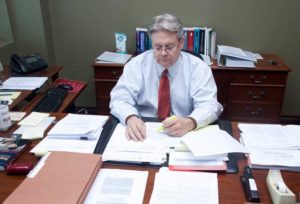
(9, 96)
(76, 126)
(272, 146)
(152, 150)
(113, 57)
(118, 186)
(23, 83)
(205, 149)
(180, 187)
(235, 57)
(73, 133)
(34, 125)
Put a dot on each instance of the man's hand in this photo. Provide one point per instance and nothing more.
(178, 126)
(136, 129)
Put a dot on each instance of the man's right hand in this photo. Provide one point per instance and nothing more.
(136, 129)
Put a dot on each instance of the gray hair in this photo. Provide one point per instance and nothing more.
(166, 22)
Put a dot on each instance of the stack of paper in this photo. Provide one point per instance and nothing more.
(185, 187)
(23, 83)
(34, 125)
(113, 57)
(78, 126)
(272, 146)
(207, 149)
(73, 133)
(235, 57)
(152, 150)
(9, 96)
(118, 186)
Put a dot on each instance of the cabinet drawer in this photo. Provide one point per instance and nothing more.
(103, 88)
(113, 73)
(103, 105)
(254, 111)
(256, 93)
(259, 77)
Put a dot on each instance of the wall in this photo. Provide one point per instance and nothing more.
(83, 29)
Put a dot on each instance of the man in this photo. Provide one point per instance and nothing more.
(187, 89)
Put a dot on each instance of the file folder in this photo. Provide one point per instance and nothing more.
(65, 177)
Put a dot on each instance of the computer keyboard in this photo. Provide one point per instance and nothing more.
(52, 100)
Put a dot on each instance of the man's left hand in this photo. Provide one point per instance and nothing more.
(178, 126)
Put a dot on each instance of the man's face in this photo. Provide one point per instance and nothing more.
(166, 47)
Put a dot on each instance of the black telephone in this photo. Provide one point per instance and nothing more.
(26, 64)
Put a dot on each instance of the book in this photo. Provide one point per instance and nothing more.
(10, 149)
(59, 177)
(190, 41)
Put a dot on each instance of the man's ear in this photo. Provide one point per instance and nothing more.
(181, 42)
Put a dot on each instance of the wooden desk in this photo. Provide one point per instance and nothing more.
(68, 101)
(52, 73)
(229, 185)
(252, 95)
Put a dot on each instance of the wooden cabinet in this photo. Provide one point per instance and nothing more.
(247, 94)
(252, 95)
(106, 76)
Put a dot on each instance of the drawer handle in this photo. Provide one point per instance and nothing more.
(115, 74)
(254, 113)
(256, 96)
(258, 81)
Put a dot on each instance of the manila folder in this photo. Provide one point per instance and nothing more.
(65, 177)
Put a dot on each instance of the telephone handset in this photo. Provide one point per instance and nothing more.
(26, 64)
(279, 192)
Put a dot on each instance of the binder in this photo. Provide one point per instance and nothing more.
(65, 177)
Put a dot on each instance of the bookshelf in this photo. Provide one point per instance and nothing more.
(200, 40)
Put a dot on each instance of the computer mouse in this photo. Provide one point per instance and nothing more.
(65, 86)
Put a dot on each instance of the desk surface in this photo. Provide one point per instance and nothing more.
(68, 101)
(230, 189)
(52, 73)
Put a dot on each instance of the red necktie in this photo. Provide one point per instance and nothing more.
(164, 105)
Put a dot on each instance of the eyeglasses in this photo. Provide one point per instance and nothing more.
(167, 48)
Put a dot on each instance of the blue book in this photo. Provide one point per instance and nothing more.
(197, 40)
(185, 39)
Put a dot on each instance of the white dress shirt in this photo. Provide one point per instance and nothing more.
(192, 89)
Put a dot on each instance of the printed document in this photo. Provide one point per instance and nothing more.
(174, 187)
(23, 83)
(210, 141)
(78, 126)
(118, 186)
(113, 57)
(153, 149)
(272, 145)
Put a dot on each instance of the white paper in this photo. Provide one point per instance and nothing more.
(16, 116)
(78, 126)
(212, 141)
(118, 186)
(289, 158)
(66, 145)
(270, 136)
(24, 83)
(153, 149)
(113, 57)
(33, 119)
(173, 187)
